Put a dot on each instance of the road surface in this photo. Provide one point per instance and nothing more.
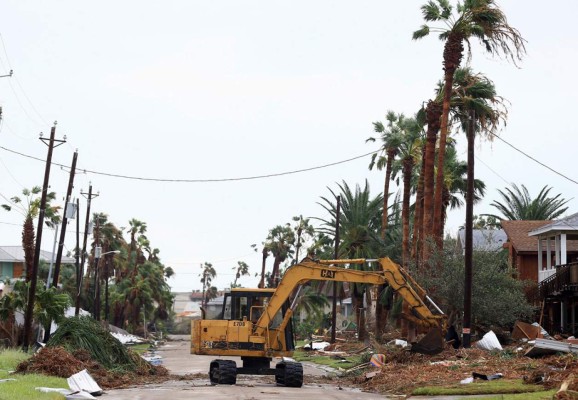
(178, 360)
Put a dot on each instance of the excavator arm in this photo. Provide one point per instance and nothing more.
(388, 273)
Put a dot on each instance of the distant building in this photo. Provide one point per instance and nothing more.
(12, 265)
(483, 240)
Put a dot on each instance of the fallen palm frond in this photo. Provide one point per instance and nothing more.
(87, 334)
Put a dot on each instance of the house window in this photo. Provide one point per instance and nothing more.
(6, 270)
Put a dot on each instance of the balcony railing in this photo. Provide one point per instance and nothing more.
(564, 278)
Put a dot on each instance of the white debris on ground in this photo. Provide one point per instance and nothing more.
(127, 338)
(316, 345)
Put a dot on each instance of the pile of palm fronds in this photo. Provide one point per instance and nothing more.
(85, 333)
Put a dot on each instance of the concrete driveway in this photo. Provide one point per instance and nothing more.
(178, 360)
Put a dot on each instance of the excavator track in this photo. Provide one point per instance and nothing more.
(289, 374)
(223, 372)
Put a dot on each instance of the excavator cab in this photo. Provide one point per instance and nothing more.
(241, 304)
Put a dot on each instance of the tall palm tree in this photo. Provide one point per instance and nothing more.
(409, 152)
(480, 19)
(391, 137)
(517, 204)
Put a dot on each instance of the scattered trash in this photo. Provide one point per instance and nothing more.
(548, 346)
(467, 380)
(377, 360)
(483, 377)
(83, 382)
(397, 342)
(152, 358)
(523, 330)
(68, 394)
(316, 346)
(7, 380)
(373, 374)
(545, 334)
(489, 342)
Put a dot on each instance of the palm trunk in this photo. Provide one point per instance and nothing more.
(28, 244)
(407, 169)
(265, 255)
(418, 214)
(434, 111)
(452, 58)
(390, 156)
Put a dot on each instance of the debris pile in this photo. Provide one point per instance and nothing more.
(82, 343)
(395, 369)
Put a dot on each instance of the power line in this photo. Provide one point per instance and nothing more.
(199, 180)
(533, 159)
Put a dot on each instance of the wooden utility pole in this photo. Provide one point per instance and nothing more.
(64, 221)
(336, 256)
(466, 338)
(89, 196)
(41, 213)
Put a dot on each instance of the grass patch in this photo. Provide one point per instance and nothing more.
(23, 388)
(548, 395)
(501, 386)
(140, 348)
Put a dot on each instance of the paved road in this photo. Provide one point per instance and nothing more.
(178, 360)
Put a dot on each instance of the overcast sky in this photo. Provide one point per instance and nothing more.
(231, 89)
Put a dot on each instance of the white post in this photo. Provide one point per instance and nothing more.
(52, 258)
(563, 253)
(548, 254)
(539, 254)
(557, 243)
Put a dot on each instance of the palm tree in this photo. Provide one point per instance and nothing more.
(29, 207)
(481, 19)
(280, 242)
(391, 138)
(360, 227)
(517, 204)
(304, 231)
(242, 270)
(433, 114)
(207, 275)
(409, 151)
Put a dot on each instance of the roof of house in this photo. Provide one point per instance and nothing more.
(517, 232)
(484, 239)
(13, 254)
(565, 225)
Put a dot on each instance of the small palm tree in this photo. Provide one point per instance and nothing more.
(242, 270)
(391, 136)
(517, 204)
(207, 275)
(280, 242)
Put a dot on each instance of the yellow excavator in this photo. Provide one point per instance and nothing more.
(255, 324)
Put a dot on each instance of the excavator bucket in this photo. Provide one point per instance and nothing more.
(432, 343)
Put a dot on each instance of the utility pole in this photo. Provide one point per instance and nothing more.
(77, 254)
(334, 305)
(64, 221)
(41, 213)
(89, 196)
(97, 253)
(466, 333)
